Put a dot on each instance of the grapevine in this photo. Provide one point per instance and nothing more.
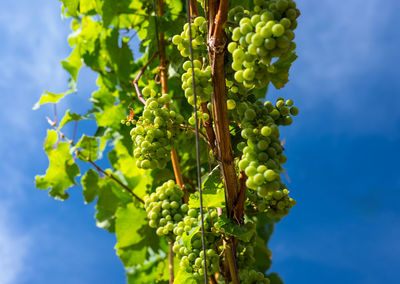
(203, 208)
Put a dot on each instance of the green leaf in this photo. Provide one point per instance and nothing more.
(137, 242)
(184, 276)
(262, 255)
(48, 97)
(274, 278)
(121, 160)
(213, 191)
(128, 221)
(62, 169)
(72, 6)
(90, 184)
(86, 6)
(121, 57)
(68, 117)
(230, 227)
(150, 272)
(282, 67)
(111, 116)
(111, 8)
(88, 148)
(187, 239)
(73, 64)
(107, 204)
(50, 140)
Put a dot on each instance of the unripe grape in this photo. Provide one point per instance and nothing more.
(278, 30)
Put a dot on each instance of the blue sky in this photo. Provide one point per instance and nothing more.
(343, 151)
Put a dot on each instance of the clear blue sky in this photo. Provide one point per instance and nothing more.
(343, 152)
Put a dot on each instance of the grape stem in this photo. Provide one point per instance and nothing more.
(141, 71)
(88, 159)
(188, 128)
(208, 126)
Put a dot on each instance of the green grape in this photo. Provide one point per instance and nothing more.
(265, 33)
(168, 196)
(154, 127)
(263, 153)
(199, 32)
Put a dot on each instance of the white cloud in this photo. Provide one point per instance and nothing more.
(34, 40)
(14, 248)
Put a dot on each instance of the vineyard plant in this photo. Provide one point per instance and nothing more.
(194, 181)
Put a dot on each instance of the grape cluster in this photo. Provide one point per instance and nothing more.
(251, 276)
(246, 259)
(203, 87)
(202, 82)
(199, 33)
(263, 34)
(164, 208)
(154, 134)
(263, 152)
(192, 255)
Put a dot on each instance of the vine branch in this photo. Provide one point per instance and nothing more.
(216, 49)
(164, 90)
(217, 40)
(141, 71)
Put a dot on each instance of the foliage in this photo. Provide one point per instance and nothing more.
(134, 197)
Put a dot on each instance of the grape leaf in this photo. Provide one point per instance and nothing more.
(128, 221)
(87, 5)
(49, 97)
(68, 117)
(274, 278)
(213, 191)
(111, 116)
(136, 240)
(88, 148)
(73, 63)
(62, 169)
(153, 271)
(184, 276)
(107, 204)
(187, 239)
(90, 184)
(230, 227)
(123, 162)
(71, 5)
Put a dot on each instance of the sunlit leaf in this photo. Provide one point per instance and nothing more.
(68, 117)
(49, 97)
(73, 63)
(88, 147)
(62, 169)
(90, 184)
